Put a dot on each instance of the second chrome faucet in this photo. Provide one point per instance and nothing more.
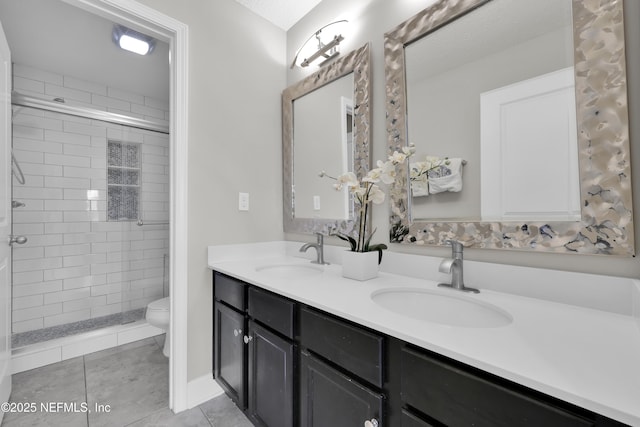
(319, 247)
(454, 266)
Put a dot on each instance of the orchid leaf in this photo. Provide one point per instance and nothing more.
(368, 241)
(378, 247)
(351, 240)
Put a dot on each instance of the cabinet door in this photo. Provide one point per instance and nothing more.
(270, 378)
(329, 398)
(230, 353)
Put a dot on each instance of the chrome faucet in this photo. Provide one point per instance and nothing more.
(453, 265)
(319, 246)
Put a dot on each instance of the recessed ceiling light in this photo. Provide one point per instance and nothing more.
(133, 41)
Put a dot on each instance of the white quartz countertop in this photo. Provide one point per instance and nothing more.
(585, 356)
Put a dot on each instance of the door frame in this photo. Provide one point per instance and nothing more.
(165, 28)
(6, 146)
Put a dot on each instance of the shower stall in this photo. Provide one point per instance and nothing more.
(91, 196)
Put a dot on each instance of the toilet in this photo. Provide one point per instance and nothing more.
(158, 315)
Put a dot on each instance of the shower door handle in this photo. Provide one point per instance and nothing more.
(21, 240)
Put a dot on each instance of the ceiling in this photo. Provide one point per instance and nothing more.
(68, 40)
(283, 13)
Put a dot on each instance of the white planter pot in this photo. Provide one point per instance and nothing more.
(360, 265)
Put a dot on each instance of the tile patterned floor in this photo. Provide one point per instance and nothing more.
(132, 379)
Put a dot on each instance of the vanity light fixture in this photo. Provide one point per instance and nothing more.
(133, 41)
(323, 45)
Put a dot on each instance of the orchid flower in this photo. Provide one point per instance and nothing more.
(366, 192)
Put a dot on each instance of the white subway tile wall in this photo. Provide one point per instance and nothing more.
(77, 265)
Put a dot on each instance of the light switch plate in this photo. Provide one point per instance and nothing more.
(243, 201)
(316, 203)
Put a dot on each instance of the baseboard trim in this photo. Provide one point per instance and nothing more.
(202, 389)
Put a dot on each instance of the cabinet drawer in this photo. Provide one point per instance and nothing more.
(410, 420)
(350, 347)
(272, 310)
(329, 398)
(454, 396)
(229, 290)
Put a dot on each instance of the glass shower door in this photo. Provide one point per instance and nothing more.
(87, 263)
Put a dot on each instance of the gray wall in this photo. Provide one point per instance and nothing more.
(238, 69)
(236, 75)
(370, 19)
(317, 130)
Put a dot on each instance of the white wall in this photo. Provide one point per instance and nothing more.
(236, 76)
(369, 20)
(76, 265)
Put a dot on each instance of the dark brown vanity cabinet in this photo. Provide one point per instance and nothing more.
(330, 397)
(230, 353)
(437, 390)
(341, 372)
(254, 351)
(270, 375)
(229, 350)
(288, 365)
(272, 359)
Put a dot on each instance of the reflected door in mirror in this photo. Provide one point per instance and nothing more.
(323, 141)
(529, 170)
(450, 69)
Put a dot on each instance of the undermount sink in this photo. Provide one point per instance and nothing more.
(442, 308)
(291, 270)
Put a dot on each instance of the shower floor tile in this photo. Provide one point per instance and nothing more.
(132, 379)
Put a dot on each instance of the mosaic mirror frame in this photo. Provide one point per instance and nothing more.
(606, 226)
(357, 62)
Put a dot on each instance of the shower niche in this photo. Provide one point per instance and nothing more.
(123, 181)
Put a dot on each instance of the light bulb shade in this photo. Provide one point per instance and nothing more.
(133, 44)
(132, 41)
(321, 45)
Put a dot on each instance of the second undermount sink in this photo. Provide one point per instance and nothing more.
(443, 308)
(291, 270)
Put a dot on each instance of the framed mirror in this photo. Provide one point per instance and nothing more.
(326, 127)
(518, 111)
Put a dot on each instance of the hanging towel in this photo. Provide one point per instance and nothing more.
(419, 179)
(446, 177)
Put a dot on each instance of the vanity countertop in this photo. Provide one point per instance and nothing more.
(585, 356)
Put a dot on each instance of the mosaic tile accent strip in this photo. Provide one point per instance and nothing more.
(46, 334)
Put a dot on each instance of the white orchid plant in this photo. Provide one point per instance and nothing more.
(367, 191)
